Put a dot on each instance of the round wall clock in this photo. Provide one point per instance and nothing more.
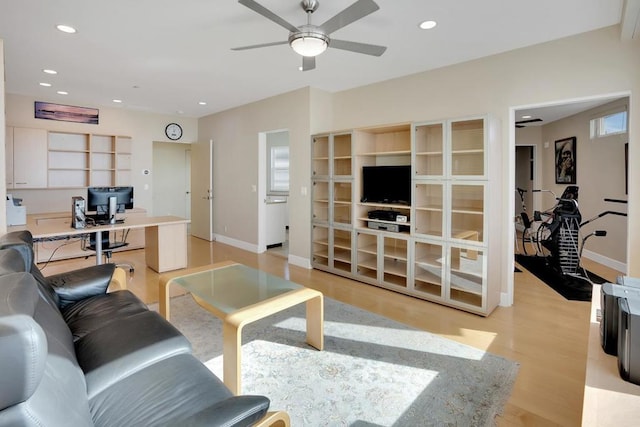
(173, 131)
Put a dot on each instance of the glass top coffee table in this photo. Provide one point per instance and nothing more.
(239, 295)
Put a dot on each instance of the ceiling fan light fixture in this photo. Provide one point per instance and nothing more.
(308, 43)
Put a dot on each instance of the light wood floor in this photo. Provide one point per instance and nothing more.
(543, 332)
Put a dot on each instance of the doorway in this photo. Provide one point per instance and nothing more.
(273, 193)
(525, 177)
(171, 183)
(551, 122)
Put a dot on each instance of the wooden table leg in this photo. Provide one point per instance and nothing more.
(163, 302)
(231, 357)
(315, 322)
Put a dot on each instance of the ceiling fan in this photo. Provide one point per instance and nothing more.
(311, 40)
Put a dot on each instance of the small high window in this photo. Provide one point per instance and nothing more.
(610, 124)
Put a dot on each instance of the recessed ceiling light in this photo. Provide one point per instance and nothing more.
(526, 117)
(427, 25)
(66, 28)
(45, 84)
(117, 101)
(63, 92)
(48, 71)
(202, 103)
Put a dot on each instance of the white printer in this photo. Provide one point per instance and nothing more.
(16, 213)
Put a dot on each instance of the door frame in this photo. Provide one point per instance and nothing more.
(506, 298)
(262, 187)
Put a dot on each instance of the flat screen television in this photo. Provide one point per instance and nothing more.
(98, 199)
(386, 184)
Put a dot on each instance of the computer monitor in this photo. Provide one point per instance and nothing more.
(98, 200)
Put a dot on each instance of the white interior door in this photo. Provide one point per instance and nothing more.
(202, 190)
(170, 183)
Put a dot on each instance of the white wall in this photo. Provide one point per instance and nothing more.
(577, 67)
(144, 128)
(235, 171)
(599, 174)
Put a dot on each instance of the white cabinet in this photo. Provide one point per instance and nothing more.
(439, 250)
(26, 158)
(276, 220)
(36, 158)
(449, 218)
(332, 202)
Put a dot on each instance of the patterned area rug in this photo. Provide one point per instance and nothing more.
(372, 372)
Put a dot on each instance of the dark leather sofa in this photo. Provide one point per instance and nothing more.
(72, 354)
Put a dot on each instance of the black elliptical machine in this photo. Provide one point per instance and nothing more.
(559, 233)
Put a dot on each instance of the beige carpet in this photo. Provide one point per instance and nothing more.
(373, 371)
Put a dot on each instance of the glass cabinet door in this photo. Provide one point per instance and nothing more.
(342, 155)
(429, 149)
(395, 261)
(320, 156)
(320, 245)
(466, 275)
(342, 250)
(467, 212)
(342, 202)
(428, 270)
(367, 255)
(467, 148)
(428, 201)
(320, 201)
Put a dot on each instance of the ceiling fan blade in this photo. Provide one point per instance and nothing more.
(358, 10)
(254, 46)
(367, 49)
(528, 121)
(308, 63)
(268, 14)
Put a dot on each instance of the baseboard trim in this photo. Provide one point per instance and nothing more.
(505, 300)
(601, 259)
(299, 261)
(291, 259)
(236, 243)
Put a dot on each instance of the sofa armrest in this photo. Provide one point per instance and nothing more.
(236, 411)
(76, 285)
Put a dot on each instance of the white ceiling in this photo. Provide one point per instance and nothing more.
(164, 56)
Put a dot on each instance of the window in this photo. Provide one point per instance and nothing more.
(279, 170)
(610, 124)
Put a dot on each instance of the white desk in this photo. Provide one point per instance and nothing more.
(609, 401)
(165, 236)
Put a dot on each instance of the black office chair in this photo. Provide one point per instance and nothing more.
(108, 247)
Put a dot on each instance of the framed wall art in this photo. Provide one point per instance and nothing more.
(65, 113)
(565, 158)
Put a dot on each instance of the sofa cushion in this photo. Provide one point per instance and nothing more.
(77, 285)
(125, 346)
(97, 311)
(173, 392)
